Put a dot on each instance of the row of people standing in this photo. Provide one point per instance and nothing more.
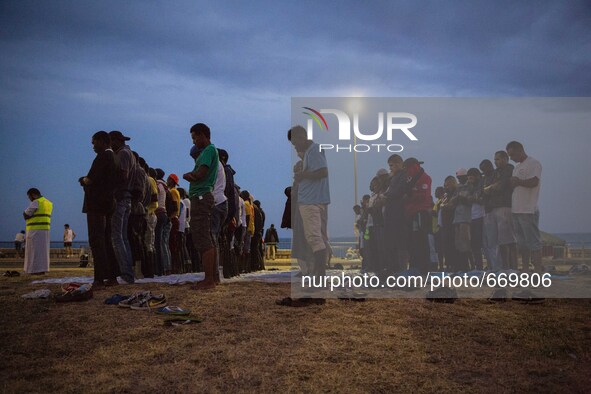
(492, 211)
(394, 222)
(141, 225)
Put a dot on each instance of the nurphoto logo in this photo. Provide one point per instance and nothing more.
(395, 121)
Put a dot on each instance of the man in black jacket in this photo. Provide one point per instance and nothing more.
(271, 240)
(99, 204)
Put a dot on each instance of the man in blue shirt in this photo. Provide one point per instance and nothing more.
(313, 196)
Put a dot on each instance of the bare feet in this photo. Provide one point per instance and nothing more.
(203, 285)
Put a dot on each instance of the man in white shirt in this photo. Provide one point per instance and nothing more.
(526, 181)
(69, 236)
(19, 242)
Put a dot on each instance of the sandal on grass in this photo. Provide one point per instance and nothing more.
(179, 321)
(172, 310)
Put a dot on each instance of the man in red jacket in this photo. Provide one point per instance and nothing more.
(417, 208)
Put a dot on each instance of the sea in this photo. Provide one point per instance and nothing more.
(340, 245)
(576, 240)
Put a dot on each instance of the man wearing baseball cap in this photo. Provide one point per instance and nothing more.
(417, 209)
(124, 178)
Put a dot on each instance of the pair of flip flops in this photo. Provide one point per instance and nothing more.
(172, 310)
(527, 297)
(182, 314)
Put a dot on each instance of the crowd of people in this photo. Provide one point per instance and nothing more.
(489, 211)
(141, 224)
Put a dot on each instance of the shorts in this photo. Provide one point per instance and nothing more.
(67, 244)
(201, 210)
(314, 220)
(462, 237)
(527, 232)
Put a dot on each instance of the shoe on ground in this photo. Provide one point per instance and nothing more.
(151, 302)
(135, 297)
(528, 297)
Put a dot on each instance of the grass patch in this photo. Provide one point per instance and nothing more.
(247, 343)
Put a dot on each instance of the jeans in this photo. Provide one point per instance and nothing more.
(149, 238)
(218, 217)
(163, 226)
(121, 245)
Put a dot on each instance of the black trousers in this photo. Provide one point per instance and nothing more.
(99, 237)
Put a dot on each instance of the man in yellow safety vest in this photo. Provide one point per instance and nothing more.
(38, 220)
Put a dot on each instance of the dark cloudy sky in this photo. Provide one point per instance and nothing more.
(154, 68)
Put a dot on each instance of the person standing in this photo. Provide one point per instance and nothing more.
(396, 235)
(271, 240)
(150, 237)
(124, 178)
(227, 257)
(417, 208)
(69, 236)
(99, 205)
(490, 243)
(183, 229)
(257, 249)
(202, 180)
(313, 197)
(219, 214)
(19, 241)
(526, 180)
(38, 222)
(174, 239)
(451, 255)
(462, 202)
(477, 217)
(163, 226)
(499, 195)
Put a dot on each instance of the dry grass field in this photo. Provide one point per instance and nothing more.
(246, 343)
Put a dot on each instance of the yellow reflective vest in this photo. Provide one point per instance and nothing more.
(41, 219)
